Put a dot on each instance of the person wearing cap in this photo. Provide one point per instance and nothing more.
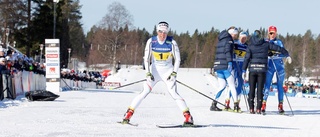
(256, 59)
(161, 61)
(223, 66)
(275, 65)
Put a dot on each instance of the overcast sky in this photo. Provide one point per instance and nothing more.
(289, 16)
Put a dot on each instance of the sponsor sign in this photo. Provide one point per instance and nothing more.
(108, 85)
(52, 54)
(52, 61)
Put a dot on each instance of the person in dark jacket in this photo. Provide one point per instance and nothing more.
(256, 59)
(3, 72)
(223, 66)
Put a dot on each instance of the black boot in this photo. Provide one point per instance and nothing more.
(236, 107)
(252, 111)
(258, 111)
(214, 107)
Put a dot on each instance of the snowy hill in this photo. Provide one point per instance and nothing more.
(94, 112)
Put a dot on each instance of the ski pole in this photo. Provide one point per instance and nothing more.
(130, 84)
(201, 93)
(278, 78)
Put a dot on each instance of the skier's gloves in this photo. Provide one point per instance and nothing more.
(229, 66)
(172, 76)
(150, 77)
(289, 60)
(270, 54)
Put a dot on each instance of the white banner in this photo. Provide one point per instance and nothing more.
(52, 53)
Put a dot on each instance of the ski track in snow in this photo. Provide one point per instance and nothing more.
(95, 112)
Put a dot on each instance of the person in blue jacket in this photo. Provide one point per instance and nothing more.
(275, 66)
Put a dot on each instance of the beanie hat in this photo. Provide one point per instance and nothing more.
(233, 30)
(272, 29)
(163, 26)
(2, 59)
(243, 34)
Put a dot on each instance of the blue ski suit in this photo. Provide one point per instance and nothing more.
(275, 65)
(239, 53)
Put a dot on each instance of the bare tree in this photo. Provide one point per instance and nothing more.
(116, 19)
(306, 62)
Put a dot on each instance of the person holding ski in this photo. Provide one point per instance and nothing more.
(275, 65)
(160, 51)
(256, 59)
(223, 66)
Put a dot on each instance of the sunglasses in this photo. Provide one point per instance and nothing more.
(161, 31)
(271, 33)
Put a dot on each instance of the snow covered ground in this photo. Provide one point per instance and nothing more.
(94, 112)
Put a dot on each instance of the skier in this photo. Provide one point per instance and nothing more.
(239, 53)
(223, 66)
(161, 50)
(256, 59)
(275, 65)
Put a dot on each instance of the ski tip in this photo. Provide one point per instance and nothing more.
(181, 126)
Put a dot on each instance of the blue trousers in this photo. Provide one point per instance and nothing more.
(225, 77)
(276, 67)
(237, 65)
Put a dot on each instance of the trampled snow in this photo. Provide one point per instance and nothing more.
(94, 112)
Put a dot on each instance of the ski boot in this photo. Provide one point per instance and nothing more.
(214, 107)
(258, 111)
(252, 111)
(227, 108)
(264, 105)
(127, 116)
(236, 107)
(188, 119)
(280, 108)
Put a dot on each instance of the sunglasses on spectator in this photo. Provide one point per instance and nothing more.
(161, 31)
(271, 33)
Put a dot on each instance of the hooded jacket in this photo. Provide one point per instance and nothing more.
(256, 57)
(224, 51)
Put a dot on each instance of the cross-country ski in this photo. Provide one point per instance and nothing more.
(180, 126)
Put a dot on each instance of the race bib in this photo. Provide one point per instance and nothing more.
(240, 53)
(161, 56)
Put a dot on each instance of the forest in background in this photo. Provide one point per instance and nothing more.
(116, 39)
